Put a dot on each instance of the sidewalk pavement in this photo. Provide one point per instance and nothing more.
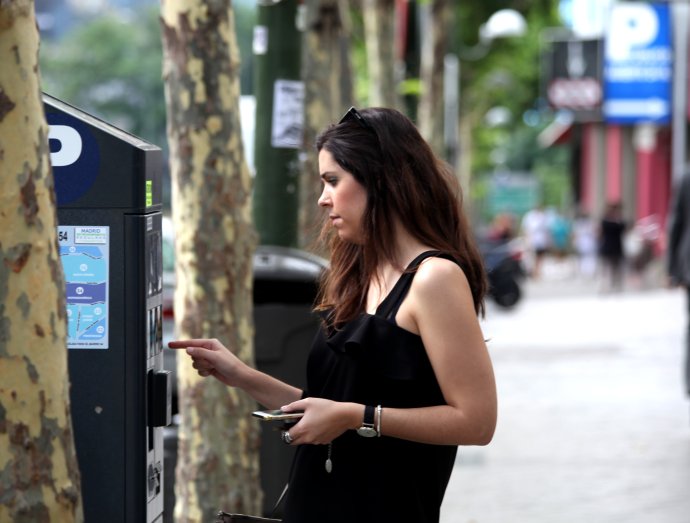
(593, 422)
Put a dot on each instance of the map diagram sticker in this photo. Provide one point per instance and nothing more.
(84, 251)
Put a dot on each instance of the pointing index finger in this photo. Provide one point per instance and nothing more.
(183, 344)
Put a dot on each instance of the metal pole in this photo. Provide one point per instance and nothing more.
(279, 120)
(451, 95)
(681, 17)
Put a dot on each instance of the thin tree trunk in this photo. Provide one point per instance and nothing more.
(379, 29)
(327, 75)
(434, 48)
(218, 464)
(464, 167)
(39, 476)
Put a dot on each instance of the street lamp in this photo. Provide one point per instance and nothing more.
(503, 23)
(506, 23)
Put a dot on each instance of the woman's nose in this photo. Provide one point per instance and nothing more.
(324, 199)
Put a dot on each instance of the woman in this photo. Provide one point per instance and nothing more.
(401, 355)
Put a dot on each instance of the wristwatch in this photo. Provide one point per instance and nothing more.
(368, 430)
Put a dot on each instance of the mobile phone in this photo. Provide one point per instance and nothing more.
(277, 415)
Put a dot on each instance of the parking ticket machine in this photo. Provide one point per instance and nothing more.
(108, 189)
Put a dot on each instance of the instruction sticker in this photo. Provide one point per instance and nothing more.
(84, 251)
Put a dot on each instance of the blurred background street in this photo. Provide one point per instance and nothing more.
(593, 422)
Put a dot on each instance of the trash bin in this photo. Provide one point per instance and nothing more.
(285, 286)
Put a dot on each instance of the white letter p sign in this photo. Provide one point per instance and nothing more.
(631, 26)
(70, 145)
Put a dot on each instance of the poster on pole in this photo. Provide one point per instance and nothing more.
(288, 114)
(638, 64)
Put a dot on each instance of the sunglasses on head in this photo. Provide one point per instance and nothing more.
(353, 114)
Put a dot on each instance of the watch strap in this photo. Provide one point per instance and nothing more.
(368, 416)
(368, 428)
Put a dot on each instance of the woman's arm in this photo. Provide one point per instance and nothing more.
(212, 358)
(439, 307)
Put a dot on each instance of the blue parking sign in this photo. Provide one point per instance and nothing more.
(638, 64)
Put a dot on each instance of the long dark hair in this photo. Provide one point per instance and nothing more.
(404, 180)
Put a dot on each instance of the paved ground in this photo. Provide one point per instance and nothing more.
(593, 423)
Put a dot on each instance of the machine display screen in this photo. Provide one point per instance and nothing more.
(155, 263)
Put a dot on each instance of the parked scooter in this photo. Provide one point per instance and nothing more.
(503, 262)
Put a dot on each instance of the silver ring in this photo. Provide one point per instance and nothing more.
(285, 436)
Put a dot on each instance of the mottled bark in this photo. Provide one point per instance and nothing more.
(434, 49)
(219, 442)
(327, 75)
(379, 37)
(39, 476)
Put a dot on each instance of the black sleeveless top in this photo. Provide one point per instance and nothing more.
(371, 361)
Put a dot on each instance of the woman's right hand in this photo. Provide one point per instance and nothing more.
(212, 358)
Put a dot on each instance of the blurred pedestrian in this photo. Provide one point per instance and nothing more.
(611, 231)
(535, 228)
(560, 231)
(502, 228)
(679, 254)
(585, 244)
(640, 245)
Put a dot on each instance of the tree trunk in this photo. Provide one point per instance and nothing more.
(379, 36)
(327, 75)
(434, 48)
(39, 476)
(217, 464)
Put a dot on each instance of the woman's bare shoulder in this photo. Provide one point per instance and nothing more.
(435, 269)
(437, 276)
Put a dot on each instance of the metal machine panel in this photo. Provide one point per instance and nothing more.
(108, 186)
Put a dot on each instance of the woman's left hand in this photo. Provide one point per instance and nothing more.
(323, 420)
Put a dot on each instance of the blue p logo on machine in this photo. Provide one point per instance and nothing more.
(109, 196)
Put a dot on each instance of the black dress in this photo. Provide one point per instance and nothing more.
(371, 361)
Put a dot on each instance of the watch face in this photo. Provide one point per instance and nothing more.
(367, 432)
